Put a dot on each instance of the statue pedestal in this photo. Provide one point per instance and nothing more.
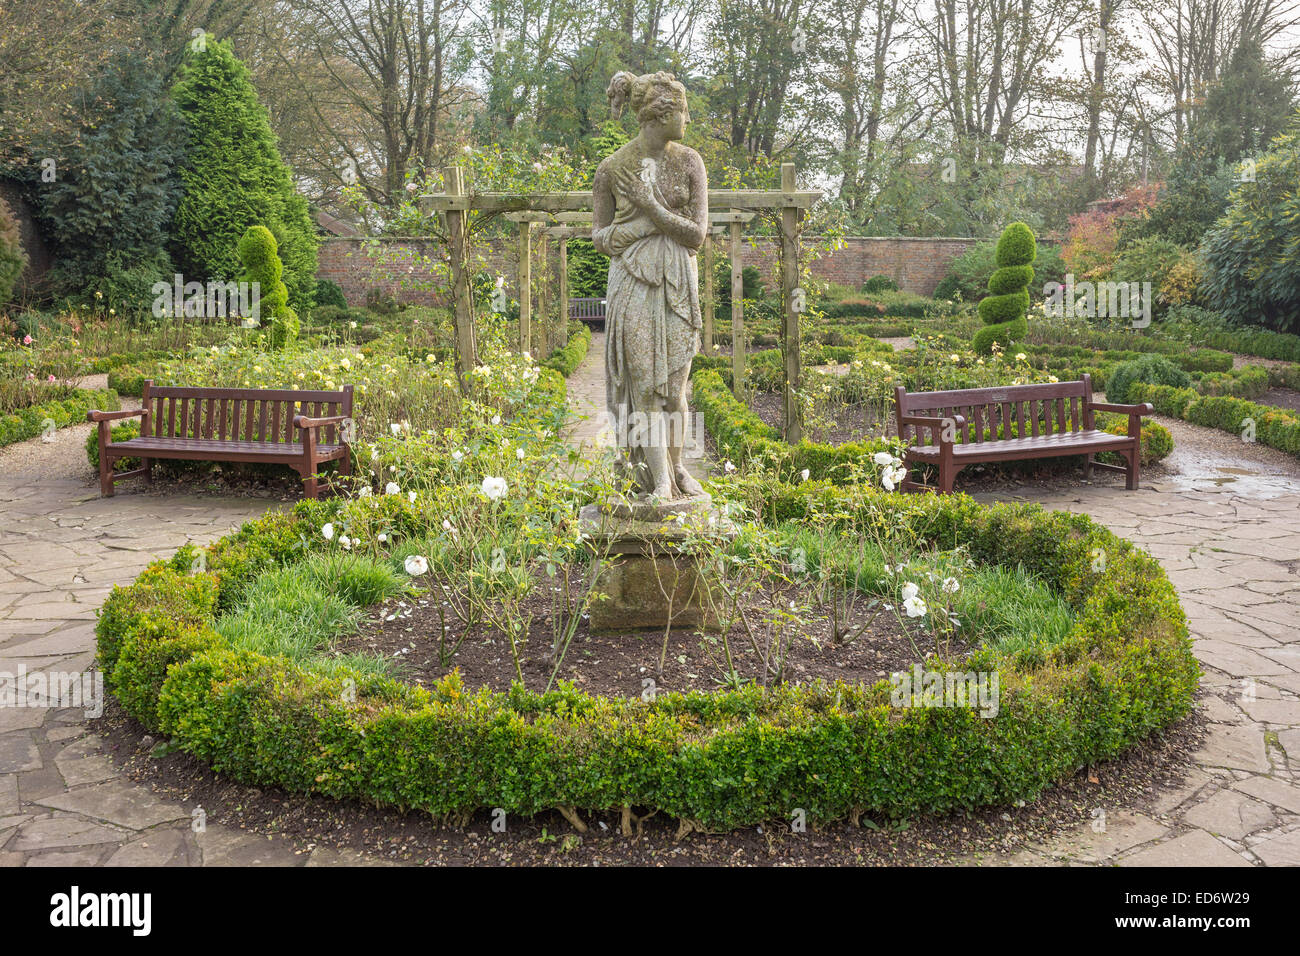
(646, 577)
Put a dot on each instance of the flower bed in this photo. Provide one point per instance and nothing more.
(720, 760)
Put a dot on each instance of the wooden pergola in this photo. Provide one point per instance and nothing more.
(567, 215)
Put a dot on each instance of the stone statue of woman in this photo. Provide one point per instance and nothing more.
(651, 213)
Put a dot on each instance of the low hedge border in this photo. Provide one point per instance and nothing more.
(742, 436)
(1274, 427)
(569, 356)
(721, 760)
(30, 422)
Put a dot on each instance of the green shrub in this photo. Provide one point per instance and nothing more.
(1003, 311)
(569, 356)
(1151, 369)
(13, 259)
(257, 251)
(233, 177)
(1252, 271)
(880, 283)
(328, 293)
(124, 432)
(30, 422)
(126, 380)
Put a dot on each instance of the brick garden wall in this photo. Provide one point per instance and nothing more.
(402, 267)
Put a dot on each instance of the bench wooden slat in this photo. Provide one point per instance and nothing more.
(1060, 423)
(231, 424)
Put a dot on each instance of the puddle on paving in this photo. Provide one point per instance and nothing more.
(1205, 474)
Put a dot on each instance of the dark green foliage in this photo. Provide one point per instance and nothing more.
(968, 274)
(1152, 369)
(1249, 106)
(30, 422)
(569, 356)
(1206, 327)
(881, 283)
(257, 251)
(1003, 312)
(329, 293)
(233, 178)
(1193, 197)
(13, 259)
(109, 209)
(588, 270)
(1252, 270)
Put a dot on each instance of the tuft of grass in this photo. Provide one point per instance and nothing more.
(298, 611)
(1006, 609)
(359, 580)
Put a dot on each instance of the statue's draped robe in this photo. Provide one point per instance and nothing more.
(652, 323)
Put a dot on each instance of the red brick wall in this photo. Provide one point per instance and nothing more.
(357, 265)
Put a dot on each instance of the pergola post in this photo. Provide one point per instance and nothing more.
(461, 293)
(737, 312)
(525, 285)
(790, 295)
(544, 294)
(564, 289)
(708, 291)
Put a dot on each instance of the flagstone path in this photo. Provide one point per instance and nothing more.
(1230, 543)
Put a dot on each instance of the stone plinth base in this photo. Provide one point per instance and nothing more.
(645, 574)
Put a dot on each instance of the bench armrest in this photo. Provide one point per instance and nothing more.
(302, 421)
(934, 421)
(94, 415)
(1144, 408)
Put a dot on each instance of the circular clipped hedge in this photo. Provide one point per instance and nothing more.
(718, 760)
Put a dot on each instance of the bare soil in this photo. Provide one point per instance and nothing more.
(407, 631)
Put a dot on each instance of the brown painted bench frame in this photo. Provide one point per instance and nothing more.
(230, 424)
(1059, 419)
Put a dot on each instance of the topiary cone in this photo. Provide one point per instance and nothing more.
(260, 255)
(1003, 311)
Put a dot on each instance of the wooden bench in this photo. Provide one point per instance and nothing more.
(1010, 423)
(268, 426)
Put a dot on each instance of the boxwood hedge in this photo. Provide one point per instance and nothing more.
(721, 760)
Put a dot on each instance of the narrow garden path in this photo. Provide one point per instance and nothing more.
(1230, 544)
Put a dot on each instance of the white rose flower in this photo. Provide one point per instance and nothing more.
(410, 496)
(416, 565)
(392, 489)
(915, 607)
(493, 488)
(950, 586)
(910, 591)
(804, 474)
(328, 532)
(364, 492)
(728, 467)
(883, 458)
